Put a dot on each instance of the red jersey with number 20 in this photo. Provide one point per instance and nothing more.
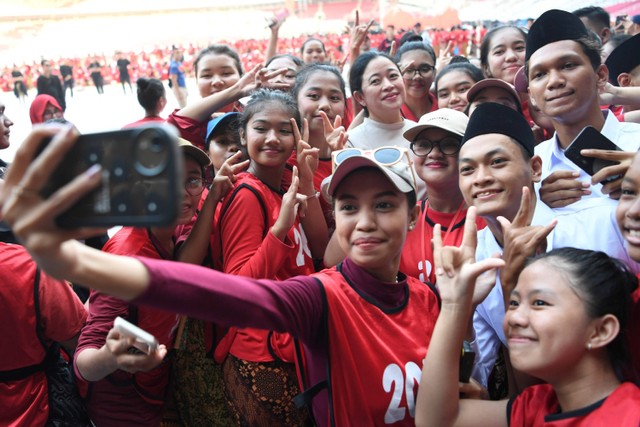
(376, 353)
(537, 406)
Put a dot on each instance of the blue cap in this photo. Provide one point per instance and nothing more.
(223, 120)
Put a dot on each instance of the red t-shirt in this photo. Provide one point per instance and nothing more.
(25, 402)
(538, 406)
(381, 353)
(417, 253)
(192, 130)
(248, 248)
(122, 398)
(408, 114)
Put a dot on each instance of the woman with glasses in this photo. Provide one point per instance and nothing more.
(435, 143)
(123, 388)
(417, 62)
(363, 326)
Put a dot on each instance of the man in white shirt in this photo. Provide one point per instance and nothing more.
(565, 74)
(496, 163)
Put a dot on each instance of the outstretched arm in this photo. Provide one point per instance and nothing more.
(32, 219)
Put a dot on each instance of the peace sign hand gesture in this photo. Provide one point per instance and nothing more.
(307, 157)
(334, 134)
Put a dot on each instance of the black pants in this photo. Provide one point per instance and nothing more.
(98, 81)
(68, 84)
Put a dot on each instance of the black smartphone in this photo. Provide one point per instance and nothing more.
(589, 137)
(467, 357)
(141, 178)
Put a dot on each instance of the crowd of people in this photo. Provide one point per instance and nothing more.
(393, 236)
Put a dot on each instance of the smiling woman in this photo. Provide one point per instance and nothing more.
(339, 315)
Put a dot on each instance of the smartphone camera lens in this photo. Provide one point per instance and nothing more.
(151, 153)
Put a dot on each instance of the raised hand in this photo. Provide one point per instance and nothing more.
(292, 202)
(357, 35)
(457, 270)
(307, 157)
(393, 49)
(334, 134)
(521, 240)
(226, 176)
(258, 77)
(30, 216)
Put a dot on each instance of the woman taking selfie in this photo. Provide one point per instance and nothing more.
(339, 315)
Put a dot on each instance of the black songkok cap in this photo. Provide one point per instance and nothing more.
(553, 26)
(624, 58)
(497, 118)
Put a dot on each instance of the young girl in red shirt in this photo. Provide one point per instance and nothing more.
(262, 237)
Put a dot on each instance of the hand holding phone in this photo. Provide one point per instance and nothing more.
(144, 341)
(590, 138)
(141, 169)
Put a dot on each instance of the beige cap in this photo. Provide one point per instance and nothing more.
(444, 118)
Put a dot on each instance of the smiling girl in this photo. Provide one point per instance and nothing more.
(502, 52)
(362, 324)
(221, 83)
(453, 82)
(582, 365)
(261, 236)
(320, 94)
(418, 62)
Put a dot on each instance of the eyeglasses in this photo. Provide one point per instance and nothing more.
(194, 186)
(448, 146)
(385, 156)
(423, 70)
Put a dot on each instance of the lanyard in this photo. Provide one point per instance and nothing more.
(444, 239)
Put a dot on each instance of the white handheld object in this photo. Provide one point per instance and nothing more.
(145, 342)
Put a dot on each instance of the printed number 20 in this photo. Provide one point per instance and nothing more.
(393, 375)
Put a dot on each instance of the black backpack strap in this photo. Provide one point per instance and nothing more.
(304, 399)
(255, 193)
(24, 372)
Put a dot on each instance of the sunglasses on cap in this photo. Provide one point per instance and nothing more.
(384, 156)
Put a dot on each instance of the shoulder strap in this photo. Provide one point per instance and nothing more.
(255, 193)
(24, 372)
(309, 392)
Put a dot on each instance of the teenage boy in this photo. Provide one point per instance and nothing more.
(565, 74)
(497, 170)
